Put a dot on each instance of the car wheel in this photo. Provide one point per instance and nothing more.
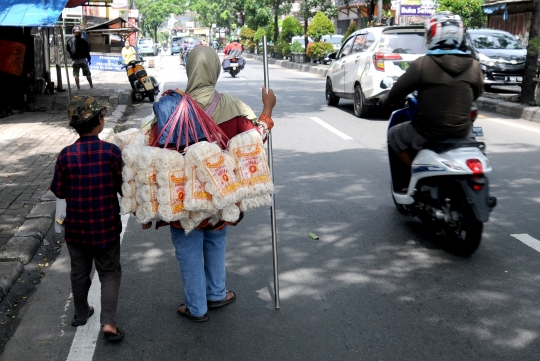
(487, 87)
(361, 109)
(331, 98)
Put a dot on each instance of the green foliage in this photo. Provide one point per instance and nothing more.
(308, 8)
(163, 36)
(256, 15)
(291, 27)
(470, 11)
(246, 32)
(352, 28)
(283, 48)
(296, 47)
(154, 13)
(320, 25)
(259, 34)
(319, 50)
(270, 32)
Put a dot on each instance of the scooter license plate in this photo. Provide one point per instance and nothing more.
(477, 132)
(234, 65)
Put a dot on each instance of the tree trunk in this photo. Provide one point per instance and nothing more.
(531, 64)
(276, 27)
(305, 33)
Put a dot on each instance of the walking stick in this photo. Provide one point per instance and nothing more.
(273, 207)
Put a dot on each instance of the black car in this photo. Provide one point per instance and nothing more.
(501, 56)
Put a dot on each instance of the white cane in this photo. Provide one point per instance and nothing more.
(273, 207)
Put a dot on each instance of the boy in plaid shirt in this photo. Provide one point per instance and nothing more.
(88, 175)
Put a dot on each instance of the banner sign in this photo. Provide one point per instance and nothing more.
(106, 62)
(415, 10)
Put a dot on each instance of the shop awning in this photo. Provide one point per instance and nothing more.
(118, 26)
(30, 12)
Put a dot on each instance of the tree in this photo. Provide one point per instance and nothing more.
(370, 6)
(470, 11)
(531, 63)
(320, 26)
(309, 8)
(257, 16)
(291, 27)
(351, 29)
(154, 13)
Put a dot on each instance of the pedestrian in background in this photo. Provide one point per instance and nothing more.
(88, 175)
(79, 51)
(128, 52)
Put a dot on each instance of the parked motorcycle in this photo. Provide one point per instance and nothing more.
(448, 187)
(142, 84)
(233, 62)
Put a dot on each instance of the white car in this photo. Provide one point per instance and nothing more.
(334, 39)
(366, 58)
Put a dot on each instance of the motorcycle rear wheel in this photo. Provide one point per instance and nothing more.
(400, 207)
(151, 97)
(467, 240)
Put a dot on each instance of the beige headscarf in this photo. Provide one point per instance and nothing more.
(203, 69)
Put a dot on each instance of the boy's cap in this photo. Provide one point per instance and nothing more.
(84, 107)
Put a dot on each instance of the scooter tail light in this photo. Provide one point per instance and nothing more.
(474, 114)
(475, 165)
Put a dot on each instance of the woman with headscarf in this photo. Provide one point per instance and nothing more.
(204, 277)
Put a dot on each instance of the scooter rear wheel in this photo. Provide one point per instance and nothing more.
(467, 240)
(400, 207)
(151, 97)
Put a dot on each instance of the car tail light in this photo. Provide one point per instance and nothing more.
(379, 58)
(475, 165)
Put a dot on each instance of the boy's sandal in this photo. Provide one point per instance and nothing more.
(187, 314)
(225, 302)
(114, 337)
(75, 322)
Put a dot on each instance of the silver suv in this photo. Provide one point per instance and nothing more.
(367, 57)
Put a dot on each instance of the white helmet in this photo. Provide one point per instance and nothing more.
(444, 29)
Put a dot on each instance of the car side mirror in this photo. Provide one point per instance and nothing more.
(332, 56)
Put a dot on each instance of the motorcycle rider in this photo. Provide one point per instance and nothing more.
(79, 52)
(447, 80)
(129, 54)
(188, 46)
(235, 45)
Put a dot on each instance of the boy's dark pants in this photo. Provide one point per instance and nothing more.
(107, 261)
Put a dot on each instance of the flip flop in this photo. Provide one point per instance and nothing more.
(225, 302)
(75, 322)
(114, 337)
(189, 316)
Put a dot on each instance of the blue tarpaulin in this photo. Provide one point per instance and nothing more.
(43, 13)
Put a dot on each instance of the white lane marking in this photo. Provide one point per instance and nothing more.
(84, 342)
(331, 128)
(523, 127)
(528, 240)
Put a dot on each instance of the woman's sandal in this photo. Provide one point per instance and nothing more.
(186, 313)
(114, 337)
(225, 302)
(75, 322)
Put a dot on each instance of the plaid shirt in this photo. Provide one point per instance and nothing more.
(88, 175)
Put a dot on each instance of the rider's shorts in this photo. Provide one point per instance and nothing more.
(404, 136)
(80, 64)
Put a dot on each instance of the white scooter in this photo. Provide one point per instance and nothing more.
(446, 187)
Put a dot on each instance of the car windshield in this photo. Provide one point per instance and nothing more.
(176, 40)
(145, 42)
(494, 41)
(403, 43)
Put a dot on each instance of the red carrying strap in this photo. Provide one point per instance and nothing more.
(182, 117)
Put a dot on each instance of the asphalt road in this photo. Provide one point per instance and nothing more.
(374, 286)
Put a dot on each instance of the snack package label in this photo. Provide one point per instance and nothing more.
(177, 190)
(199, 192)
(223, 178)
(253, 168)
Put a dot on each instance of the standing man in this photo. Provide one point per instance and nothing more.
(79, 52)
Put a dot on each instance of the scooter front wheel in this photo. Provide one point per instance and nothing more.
(151, 97)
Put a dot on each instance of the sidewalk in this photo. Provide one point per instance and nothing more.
(29, 145)
(491, 104)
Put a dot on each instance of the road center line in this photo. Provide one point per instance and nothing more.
(84, 342)
(528, 240)
(331, 128)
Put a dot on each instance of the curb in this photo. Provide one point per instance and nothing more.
(24, 244)
(514, 110)
(306, 67)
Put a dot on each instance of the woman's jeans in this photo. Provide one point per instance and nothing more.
(201, 256)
